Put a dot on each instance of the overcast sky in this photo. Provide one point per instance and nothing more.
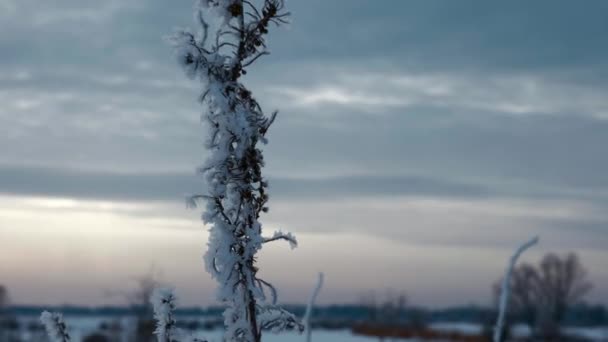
(418, 142)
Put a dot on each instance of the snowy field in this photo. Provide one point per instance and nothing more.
(318, 336)
(84, 326)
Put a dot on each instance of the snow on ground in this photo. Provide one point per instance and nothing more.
(84, 326)
(81, 327)
(599, 334)
(520, 330)
(595, 334)
(317, 336)
(462, 328)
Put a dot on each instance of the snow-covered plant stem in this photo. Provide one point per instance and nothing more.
(163, 301)
(310, 306)
(56, 328)
(506, 288)
(229, 38)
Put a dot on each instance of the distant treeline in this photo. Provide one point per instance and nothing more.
(580, 315)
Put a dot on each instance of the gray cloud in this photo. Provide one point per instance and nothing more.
(472, 34)
(447, 101)
(451, 222)
(108, 95)
(171, 186)
(65, 183)
(175, 186)
(511, 94)
(424, 34)
(411, 210)
(147, 124)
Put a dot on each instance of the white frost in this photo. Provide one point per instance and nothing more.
(310, 307)
(56, 328)
(279, 235)
(163, 300)
(506, 288)
(230, 36)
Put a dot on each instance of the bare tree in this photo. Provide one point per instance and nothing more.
(9, 325)
(140, 300)
(562, 283)
(393, 308)
(387, 311)
(541, 295)
(369, 302)
(3, 314)
(525, 292)
(524, 298)
(3, 297)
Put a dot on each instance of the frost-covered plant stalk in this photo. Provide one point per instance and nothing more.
(56, 328)
(310, 306)
(163, 301)
(505, 291)
(230, 37)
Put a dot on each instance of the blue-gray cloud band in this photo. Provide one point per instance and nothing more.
(40, 181)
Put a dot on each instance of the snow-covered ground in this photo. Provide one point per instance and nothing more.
(463, 328)
(84, 326)
(595, 334)
(317, 336)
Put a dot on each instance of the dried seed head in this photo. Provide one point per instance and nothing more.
(236, 9)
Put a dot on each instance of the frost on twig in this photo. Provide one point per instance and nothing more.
(164, 302)
(275, 319)
(56, 328)
(310, 307)
(505, 290)
(279, 235)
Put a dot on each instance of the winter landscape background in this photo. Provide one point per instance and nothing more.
(418, 143)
